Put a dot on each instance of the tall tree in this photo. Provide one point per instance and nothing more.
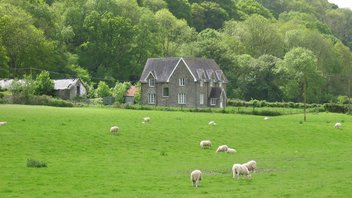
(208, 15)
(301, 65)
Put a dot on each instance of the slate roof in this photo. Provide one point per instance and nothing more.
(64, 83)
(162, 68)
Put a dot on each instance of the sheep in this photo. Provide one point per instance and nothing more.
(222, 148)
(196, 177)
(266, 118)
(114, 130)
(239, 169)
(146, 120)
(3, 123)
(205, 144)
(338, 125)
(231, 150)
(212, 123)
(251, 165)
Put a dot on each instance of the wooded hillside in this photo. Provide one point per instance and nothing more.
(268, 49)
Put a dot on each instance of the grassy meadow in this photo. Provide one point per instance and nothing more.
(294, 159)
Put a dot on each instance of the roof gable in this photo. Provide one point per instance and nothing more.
(178, 63)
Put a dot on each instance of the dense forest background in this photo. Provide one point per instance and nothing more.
(269, 50)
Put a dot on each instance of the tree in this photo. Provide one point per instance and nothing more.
(103, 90)
(120, 90)
(43, 85)
(155, 5)
(246, 8)
(180, 9)
(301, 65)
(208, 15)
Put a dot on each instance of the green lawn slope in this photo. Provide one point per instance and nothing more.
(294, 158)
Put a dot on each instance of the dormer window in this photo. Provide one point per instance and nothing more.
(151, 82)
(220, 84)
(201, 83)
(181, 82)
(211, 83)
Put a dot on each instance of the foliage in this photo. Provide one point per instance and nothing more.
(137, 96)
(120, 90)
(103, 90)
(43, 85)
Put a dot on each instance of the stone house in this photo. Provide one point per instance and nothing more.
(68, 89)
(183, 82)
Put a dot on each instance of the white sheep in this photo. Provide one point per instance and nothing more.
(196, 177)
(146, 120)
(3, 123)
(266, 118)
(114, 130)
(222, 148)
(338, 125)
(239, 169)
(205, 144)
(231, 150)
(251, 165)
(212, 123)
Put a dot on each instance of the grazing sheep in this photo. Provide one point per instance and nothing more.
(251, 166)
(338, 125)
(222, 148)
(212, 123)
(114, 130)
(266, 118)
(205, 144)
(146, 120)
(196, 177)
(239, 169)
(231, 150)
(3, 123)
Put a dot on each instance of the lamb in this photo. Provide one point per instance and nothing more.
(205, 144)
(231, 150)
(266, 118)
(146, 120)
(212, 123)
(114, 130)
(251, 165)
(196, 177)
(338, 125)
(239, 169)
(3, 123)
(222, 148)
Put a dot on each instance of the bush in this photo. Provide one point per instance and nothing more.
(43, 85)
(36, 164)
(337, 108)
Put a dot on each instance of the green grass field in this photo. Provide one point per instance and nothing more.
(294, 159)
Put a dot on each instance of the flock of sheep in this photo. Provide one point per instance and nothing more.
(237, 169)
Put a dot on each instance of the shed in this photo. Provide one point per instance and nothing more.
(69, 88)
(129, 97)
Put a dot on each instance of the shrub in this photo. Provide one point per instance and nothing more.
(337, 108)
(36, 164)
(43, 85)
(103, 90)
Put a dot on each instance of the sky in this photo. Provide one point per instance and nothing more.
(342, 3)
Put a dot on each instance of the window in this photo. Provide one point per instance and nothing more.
(220, 84)
(201, 83)
(212, 101)
(181, 98)
(181, 82)
(151, 98)
(151, 82)
(201, 99)
(165, 92)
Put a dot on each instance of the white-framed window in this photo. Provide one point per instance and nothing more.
(151, 98)
(220, 84)
(201, 99)
(151, 82)
(166, 92)
(212, 101)
(181, 82)
(181, 98)
(201, 83)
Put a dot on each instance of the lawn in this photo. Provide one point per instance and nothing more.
(294, 158)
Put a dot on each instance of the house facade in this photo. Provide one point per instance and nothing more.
(183, 82)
